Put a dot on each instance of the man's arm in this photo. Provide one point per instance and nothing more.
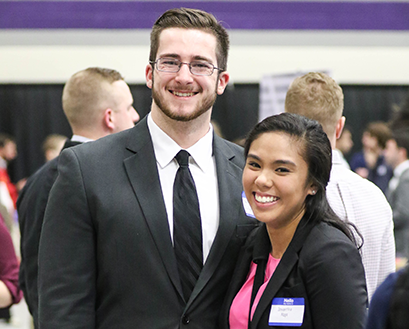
(31, 206)
(387, 263)
(67, 261)
(401, 204)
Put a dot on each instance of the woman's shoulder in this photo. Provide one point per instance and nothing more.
(326, 237)
(328, 250)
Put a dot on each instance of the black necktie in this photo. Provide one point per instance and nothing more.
(187, 227)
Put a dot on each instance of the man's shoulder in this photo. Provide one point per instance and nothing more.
(346, 177)
(402, 187)
(43, 178)
(357, 198)
(405, 175)
(228, 148)
(107, 146)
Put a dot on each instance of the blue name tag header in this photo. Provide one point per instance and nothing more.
(288, 301)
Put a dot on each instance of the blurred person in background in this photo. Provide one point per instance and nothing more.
(9, 289)
(370, 162)
(97, 102)
(390, 303)
(397, 156)
(52, 146)
(8, 191)
(344, 145)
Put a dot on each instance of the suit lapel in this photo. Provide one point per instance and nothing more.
(287, 262)
(143, 175)
(229, 183)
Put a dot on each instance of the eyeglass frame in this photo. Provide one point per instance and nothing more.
(155, 63)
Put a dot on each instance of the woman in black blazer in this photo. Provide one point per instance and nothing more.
(301, 267)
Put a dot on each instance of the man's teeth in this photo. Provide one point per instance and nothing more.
(177, 93)
(265, 199)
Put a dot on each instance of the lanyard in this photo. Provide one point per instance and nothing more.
(258, 282)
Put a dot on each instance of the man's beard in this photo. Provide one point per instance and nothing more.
(201, 108)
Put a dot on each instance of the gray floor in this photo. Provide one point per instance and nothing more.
(20, 317)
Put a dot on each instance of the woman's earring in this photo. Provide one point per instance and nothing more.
(313, 192)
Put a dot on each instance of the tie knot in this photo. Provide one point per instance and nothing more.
(183, 158)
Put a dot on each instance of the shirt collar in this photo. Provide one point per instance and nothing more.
(336, 156)
(166, 148)
(398, 171)
(81, 139)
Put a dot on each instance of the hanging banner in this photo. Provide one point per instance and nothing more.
(273, 89)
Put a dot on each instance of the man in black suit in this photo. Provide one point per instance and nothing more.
(97, 102)
(107, 256)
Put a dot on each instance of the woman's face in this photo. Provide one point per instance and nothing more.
(274, 180)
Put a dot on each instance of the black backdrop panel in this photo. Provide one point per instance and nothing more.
(30, 112)
(364, 104)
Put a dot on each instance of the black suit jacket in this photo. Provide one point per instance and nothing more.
(31, 206)
(106, 256)
(320, 265)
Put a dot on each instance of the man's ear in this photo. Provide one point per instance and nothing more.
(149, 76)
(109, 119)
(340, 127)
(223, 80)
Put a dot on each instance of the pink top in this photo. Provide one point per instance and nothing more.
(239, 310)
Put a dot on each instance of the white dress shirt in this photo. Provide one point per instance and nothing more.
(361, 202)
(202, 165)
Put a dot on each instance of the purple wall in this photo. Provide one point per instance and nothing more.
(285, 15)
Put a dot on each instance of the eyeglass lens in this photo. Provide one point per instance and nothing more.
(173, 65)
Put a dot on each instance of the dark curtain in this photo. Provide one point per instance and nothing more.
(30, 112)
(364, 104)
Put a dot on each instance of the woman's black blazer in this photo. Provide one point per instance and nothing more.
(320, 265)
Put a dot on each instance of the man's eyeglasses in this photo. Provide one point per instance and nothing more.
(173, 65)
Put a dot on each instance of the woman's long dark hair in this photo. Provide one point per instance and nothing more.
(316, 152)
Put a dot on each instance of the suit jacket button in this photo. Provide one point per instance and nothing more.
(185, 319)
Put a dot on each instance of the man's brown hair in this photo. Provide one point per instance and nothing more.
(191, 19)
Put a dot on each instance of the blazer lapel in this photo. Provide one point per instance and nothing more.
(143, 175)
(283, 269)
(229, 183)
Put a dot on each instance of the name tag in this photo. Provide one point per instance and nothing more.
(246, 205)
(287, 312)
